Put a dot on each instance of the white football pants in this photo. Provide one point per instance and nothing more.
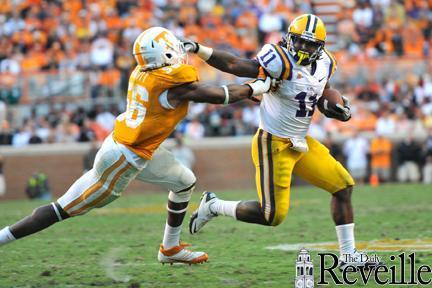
(114, 168)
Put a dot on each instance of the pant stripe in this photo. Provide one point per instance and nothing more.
(270, 177)
(261, 169)
(95, 187)
(105, 194)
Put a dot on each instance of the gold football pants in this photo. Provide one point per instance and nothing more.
(275, 162)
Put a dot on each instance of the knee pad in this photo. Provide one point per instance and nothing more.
(187, 179)
(182, 195)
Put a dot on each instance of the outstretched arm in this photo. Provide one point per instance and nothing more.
(224, 61)
(217, 95)
(229, 63)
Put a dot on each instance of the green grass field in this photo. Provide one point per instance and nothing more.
(116, 246)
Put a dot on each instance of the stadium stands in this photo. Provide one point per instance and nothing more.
(64, 65)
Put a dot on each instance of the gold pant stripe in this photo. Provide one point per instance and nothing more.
(270, 177)
(105, 194)
(266, 175)
(95, 187)
(261, 172)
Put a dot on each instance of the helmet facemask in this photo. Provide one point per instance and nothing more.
(305, 50)
(176, 53)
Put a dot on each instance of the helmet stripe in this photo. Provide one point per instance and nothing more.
(308, 22)
(315, 24)
(137, 51)
(312, 22)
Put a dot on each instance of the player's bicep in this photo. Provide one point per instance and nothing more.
(195, 92)
(230, 63)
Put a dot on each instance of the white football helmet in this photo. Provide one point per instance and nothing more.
(158, 47)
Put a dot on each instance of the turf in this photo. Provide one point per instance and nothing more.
(116, 246)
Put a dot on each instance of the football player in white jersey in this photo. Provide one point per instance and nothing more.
(281, 145)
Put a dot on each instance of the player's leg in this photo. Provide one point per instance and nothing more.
(164, 170)
(319, 168)
(98, 187)
(274, 162)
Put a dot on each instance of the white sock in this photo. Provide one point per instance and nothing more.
(6, 236)
(345, 235)
(225, 208)
(171, 236)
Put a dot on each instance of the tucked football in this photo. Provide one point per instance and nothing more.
(330, 97)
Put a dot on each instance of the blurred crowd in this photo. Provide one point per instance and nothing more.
(87, 44)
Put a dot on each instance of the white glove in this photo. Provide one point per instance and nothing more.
(260, 86)
(338, 111)
(345, 110)
(202, 51)
(189, 45)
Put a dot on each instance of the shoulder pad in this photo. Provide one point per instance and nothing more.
(177, 74)
(275, 61)
(330, 61)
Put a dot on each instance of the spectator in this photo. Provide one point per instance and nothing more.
(380, 150)
(183, 153)
(356, 149)
(385, 124)
(38, 187)
(427, 168)
(105, 118)
(34, 138)
(194, 129)
(2, 179)
(90, 156)
(408, 153)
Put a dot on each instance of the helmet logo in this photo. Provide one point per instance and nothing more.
(163, 36)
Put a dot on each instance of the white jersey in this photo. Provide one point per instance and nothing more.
(287, 113)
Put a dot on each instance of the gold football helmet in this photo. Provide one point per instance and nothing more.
(305, 39)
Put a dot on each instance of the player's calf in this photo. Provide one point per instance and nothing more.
(41, 218)
(341, 207)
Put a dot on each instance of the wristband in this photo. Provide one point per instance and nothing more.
(204, 52)
(226, 94)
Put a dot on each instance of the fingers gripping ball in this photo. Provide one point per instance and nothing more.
(333, 105)
(329, 98)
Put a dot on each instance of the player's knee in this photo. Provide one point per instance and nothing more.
(187, 179)
(274, 217)
(344, 194)
(183, 195)
(279, 217)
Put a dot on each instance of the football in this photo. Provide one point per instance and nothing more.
(330, 97)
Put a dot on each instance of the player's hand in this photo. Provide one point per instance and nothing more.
(189, 45)
(259, 86)
(340, 112)
(275, 85)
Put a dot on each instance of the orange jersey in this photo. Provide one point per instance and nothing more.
(146, 123)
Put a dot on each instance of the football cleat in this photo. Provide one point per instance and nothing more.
(179, 254)
(203, 214)
(359, 260)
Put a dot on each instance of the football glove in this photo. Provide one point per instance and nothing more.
(189, 45)
(202, 51)
(338, 111)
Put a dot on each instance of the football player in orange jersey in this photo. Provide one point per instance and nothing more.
(160, 88)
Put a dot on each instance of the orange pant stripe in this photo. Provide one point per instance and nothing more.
(105, 194)
(95, 187)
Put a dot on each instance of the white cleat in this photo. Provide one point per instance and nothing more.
(203, 214)
(359, 260)
(179, 254)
